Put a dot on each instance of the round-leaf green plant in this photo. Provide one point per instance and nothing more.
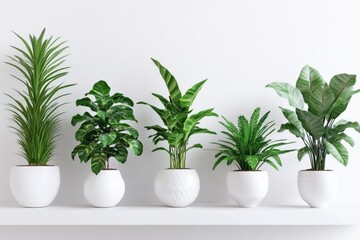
(105, 134)
(316, 106)
(35, 112)
(179, 122)
(247, 143)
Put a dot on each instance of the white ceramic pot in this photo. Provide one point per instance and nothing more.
(34, 186)
(105, 189)
(247, 188)
(317, 188)
(177, 187)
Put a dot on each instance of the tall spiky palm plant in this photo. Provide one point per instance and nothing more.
(35, 110)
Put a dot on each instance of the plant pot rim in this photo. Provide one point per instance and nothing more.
(242, 171)
(312, 170)
(33, 166)
(172, 169)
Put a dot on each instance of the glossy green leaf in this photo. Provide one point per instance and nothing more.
(321, 101)
(136, 146)
(292, 94)
(170, 81)
(187, 100)
(98, 161)
(312, 124)
(309, 82)
(338, 151)
(100, 89)
(293, 119)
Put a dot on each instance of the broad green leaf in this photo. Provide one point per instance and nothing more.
(86, 102)
(80, 118)
(342, 125)
(312, 124)
(291, 128)
(121, 155)
(194, 119)
(175, 138)
(136, 146)
(120, 98)
(321, 101)
(86, 153)
(187, 100)
(98, 162)
(292, 94)
(342, 87)
(338, 151)
(170, 81)
(100, 89)
(293, 119)
(308, 82)
(194, 146)
(107, 138)
(302, 152)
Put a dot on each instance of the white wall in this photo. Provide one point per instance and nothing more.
(240, 46)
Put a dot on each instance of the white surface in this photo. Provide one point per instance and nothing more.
(35, 186)
(208, 215)
(177, 187)
(247, 188)
(105, 189)
(318, 188)
(239, 45)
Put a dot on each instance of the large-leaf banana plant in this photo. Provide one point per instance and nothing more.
(35, 110)
(176, 115)
(316, 107)
(105, 134)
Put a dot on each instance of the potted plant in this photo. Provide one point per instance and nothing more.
(248, 147)
(318, 128)
(36, 118)
(103, 135)
(177, 186)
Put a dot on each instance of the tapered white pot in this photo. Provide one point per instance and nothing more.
(34, 186)
(177, 187)
(247, 188)
(318, 188)
(105, 189)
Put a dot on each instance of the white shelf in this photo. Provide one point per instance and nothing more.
(205, 215)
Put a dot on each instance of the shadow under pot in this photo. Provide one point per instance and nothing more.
(34, 186)
(247, 188)
(177, 187)
(105, 189)
(318, 188)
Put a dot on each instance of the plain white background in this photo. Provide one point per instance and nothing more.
(240, 46)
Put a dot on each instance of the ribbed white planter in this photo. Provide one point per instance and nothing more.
(105, 189)
(247, 188)
(34, 186)
(177, 187)
(318, 188)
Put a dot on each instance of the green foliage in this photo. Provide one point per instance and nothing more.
(105, 134)
(35, 114)
(179, 123)
(247, 144)
(316, 126)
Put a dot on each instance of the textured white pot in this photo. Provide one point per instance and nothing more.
(105, 189)
(318, 188)
(34, 186)
(247, 188)
(177, 187)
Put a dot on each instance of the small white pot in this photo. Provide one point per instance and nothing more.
(177, 187)
(34, 186)
(247, 188)
(105, 189)
(317, 188)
